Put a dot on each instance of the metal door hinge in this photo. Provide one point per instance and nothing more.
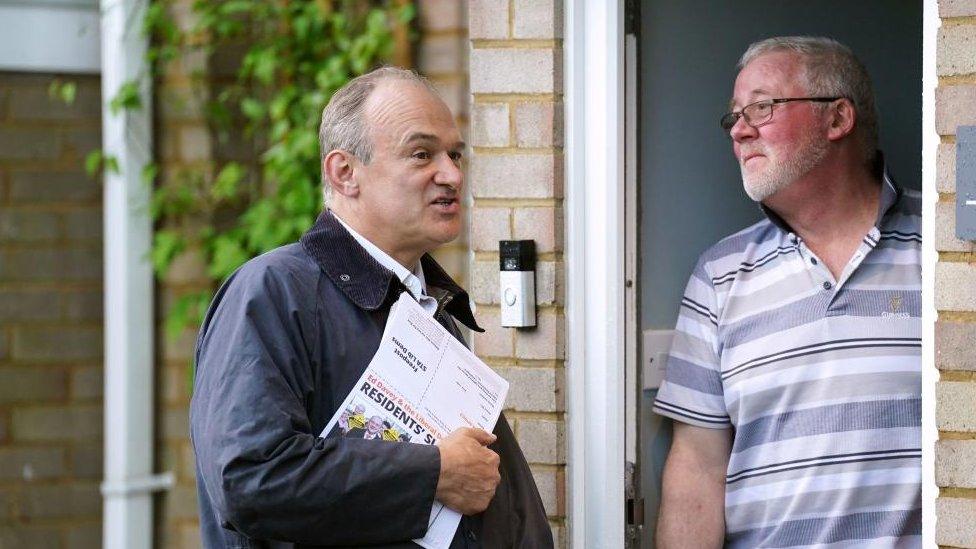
(634, 511)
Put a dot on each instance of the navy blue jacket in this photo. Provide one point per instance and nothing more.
(283, 343)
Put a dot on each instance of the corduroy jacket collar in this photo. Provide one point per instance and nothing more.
(370, 285)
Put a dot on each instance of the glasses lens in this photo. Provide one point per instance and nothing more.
(729, 120)
(758, 113)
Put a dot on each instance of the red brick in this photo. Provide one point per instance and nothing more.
(78, 142)
(57, 344)
(44, 187)
(29, 144)
(36, 104)
(75, 501)
(17, 225)
(83, 305)
(28, 305)
(84, 536)
(29, 536)
(83, 224)
(86, 461)
(54, 423)
(27, 384)
(31, 463)
(87, 383)
(74, 264)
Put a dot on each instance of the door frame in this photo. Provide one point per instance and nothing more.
(595, 271)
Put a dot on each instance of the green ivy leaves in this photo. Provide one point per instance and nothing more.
(293, 56)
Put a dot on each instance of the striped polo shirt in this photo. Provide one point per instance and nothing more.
(820, 379)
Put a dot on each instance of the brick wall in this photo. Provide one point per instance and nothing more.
(516, 182)
(184, 146)
(50, 316)
(955, 287)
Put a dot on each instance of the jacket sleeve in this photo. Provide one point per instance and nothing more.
(268, 475)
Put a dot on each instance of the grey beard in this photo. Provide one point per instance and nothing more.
(775, 178)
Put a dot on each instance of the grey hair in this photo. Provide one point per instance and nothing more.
(831, 70)
(343, 125)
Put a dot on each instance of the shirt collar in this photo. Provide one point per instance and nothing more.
(369, 284)
(890, 193)
(413, 280)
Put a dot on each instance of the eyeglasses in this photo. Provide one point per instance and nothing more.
(761, 112)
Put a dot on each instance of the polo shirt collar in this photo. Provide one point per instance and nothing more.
(890, 193)
(369, 284)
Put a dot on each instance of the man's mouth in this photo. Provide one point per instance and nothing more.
(447, 204)
(747, 157)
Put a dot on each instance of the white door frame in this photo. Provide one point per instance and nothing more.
(595, 270)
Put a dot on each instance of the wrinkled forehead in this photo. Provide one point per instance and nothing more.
(774, 74)
(398, 109)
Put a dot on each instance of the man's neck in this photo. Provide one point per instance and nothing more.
(832, 201)
(831, 209)
(408, 258)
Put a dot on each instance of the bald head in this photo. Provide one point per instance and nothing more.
(344, 125)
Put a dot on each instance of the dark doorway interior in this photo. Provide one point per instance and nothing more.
(689, 187)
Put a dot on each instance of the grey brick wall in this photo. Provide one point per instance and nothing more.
(517, 187)
(50, 316)
(955, 287)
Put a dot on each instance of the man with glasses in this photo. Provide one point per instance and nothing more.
(795, 372)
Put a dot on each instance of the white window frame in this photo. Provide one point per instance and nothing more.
(50, 36)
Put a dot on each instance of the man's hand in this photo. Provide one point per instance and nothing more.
(469, 471)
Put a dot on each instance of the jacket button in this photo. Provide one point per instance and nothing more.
(344, 277)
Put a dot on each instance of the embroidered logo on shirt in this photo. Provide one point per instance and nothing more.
(894, 305)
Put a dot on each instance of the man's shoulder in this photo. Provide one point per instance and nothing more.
(908, 208)
(287, 267)
(747, 245)
(290, 258)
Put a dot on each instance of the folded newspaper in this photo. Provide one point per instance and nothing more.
(421, 385)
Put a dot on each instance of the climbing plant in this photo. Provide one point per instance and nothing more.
(291, 56)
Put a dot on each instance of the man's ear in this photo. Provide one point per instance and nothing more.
(842, 120)
(339, 167)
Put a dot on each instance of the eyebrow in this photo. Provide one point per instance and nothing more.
(428, 137)
(753, 99)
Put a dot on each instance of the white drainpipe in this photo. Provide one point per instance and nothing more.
(128, 424)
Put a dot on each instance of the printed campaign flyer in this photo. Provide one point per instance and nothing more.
(421, 385)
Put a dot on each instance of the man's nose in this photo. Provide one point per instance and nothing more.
(449, 173)
(741, 130)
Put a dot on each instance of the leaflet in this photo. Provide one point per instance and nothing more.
(421, 385)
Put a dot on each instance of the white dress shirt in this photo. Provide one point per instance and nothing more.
(414, 281)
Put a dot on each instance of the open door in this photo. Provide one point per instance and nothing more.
(687, 192)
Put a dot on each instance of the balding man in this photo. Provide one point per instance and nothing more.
(290, 333)
(795, 374)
